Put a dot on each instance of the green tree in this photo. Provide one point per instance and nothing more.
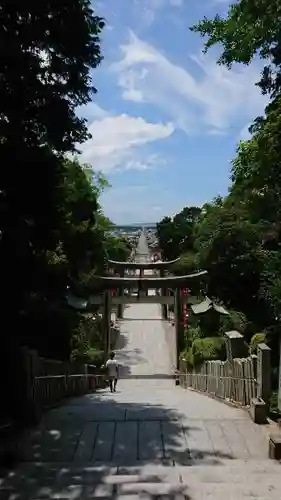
(256, 174)
(237, 238)
(176, 234)
(79, 254)
(229, 249)
(188, 263)
(251, 27)
(45, 75)
(165, 237)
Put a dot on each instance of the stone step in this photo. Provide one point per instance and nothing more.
(235, 466)
(153, 488)
(194, 477)
(250, 489)
(134, 478)
(230, 480)
(221, 467)
(198, 490)
(105, 492)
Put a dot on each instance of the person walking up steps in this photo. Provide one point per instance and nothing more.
(113, 371)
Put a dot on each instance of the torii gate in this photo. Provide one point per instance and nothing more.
(143, 283)
(161, 266)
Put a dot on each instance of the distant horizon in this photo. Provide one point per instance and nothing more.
(136, 224)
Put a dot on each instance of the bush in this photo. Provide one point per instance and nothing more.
(256, 339)
(191, 334)
(235, 321)
(95, 357)
(204, 349)
(207, 349)
(188, 357)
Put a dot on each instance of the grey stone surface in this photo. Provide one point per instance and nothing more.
(126, 442)
(150, 440)
(142, 250)
(150, 431)
(86, 443)
(103, 450)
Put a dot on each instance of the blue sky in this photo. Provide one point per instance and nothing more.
(166, 119)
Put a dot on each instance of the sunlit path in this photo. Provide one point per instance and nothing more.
(149, 427)
(150, 438)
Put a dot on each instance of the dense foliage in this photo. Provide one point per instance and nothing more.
(176, 234)
(237, 238)
(53, 232)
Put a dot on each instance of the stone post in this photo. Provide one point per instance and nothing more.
(120, 307)
(106, 321)
(178, 324)
(235, 346)
(260, 405)
(263, 373)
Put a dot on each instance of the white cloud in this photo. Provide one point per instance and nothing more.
(147, 10)
(147, 163)
(210, 102)
(118, 143)
(92, 111)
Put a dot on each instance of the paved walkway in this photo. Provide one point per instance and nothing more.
(149, 439)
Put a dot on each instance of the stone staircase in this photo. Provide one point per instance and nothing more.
(228, 480)
(231, 480)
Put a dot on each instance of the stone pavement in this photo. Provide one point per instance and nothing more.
(142, 250)
(150, 439)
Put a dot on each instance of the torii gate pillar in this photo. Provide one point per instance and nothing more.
(178, 314)
(164, 307)
(120, 307)
(143, 292)
(107, 321)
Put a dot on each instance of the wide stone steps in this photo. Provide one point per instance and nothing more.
(227, 480)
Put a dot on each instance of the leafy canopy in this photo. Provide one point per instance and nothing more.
(251, 27)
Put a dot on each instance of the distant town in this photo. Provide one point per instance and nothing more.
(132, 233)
